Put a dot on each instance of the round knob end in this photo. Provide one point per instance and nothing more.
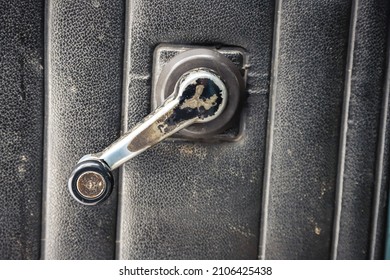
(91, 182)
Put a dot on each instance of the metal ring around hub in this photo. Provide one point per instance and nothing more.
(91, 182)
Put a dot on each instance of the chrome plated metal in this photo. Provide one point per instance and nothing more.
(201, 97)
(167, 71)
(91, 184)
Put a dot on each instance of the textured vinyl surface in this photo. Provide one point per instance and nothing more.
(323, 184)
(309, 179)
(364, 113)
(308, 98)
(194, 200)
(84, 73)
(21, 128)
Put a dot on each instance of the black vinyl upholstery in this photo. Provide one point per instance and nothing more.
(308, 180)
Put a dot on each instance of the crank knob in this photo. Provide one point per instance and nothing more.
(91, 182)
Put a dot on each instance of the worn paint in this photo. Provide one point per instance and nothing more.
(200, 100)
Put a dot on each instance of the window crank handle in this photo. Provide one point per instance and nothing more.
(200, 96)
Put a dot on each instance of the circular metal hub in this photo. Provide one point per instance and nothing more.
(91, 184)
(203, 93)
(192, 61)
